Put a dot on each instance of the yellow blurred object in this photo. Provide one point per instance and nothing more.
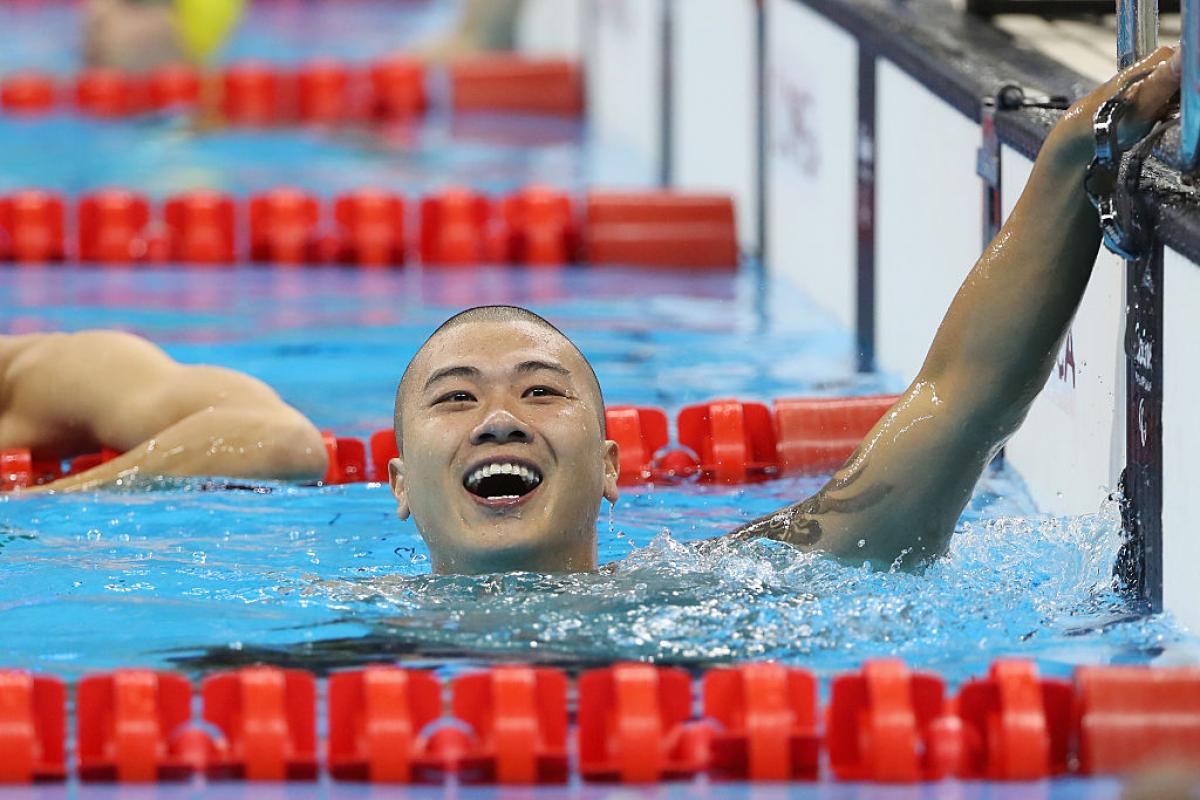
(205, 24)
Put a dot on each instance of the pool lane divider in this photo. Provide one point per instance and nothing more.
(721, 441)
(633, 723)
(369, 228)
(319, 92)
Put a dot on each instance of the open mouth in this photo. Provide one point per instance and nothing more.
(502, 482)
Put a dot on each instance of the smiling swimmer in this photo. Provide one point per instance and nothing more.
(499, 418)
(62, 394)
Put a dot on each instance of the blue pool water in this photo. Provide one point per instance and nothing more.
(183, 574)
(174, 574)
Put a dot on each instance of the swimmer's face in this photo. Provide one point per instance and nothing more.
(503, 463)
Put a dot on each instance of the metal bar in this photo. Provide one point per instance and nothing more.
(1137, 35)
(666, 176)
(865, 217)
(762, 131)
(1189, 95)
(1137, 30)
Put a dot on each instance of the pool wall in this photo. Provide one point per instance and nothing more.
(856, 177)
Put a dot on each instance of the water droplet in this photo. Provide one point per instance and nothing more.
(862, 543)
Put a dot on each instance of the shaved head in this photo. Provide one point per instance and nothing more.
(490, 314)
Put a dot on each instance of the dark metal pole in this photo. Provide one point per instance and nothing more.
(1137, 35)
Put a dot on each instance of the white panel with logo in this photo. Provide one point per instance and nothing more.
(624, 88)
(714, 103)
(928, 217)
(1071, 448)
(1181, 438)
(812, 85)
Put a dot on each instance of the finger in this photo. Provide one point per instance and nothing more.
(1145, 64)
(1152, 95)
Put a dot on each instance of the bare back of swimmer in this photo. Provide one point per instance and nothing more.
(66, 394)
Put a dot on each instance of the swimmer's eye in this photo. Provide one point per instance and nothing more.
(458, 396)
(542, 391)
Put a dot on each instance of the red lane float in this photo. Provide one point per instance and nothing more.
(106, 92)
(33, 728)
(28, 93)
(1016, 726)
(34, 222)
(817, 434)
(267, 717)
(91, 460)
(397, 89)
(252, 94)
(541, 228)
(283, 227)
(512, 83)
(454, 228)
(200, 227)
(383, 450)
(632, 725)
(323, 92)
(639, 433)
(519, 717)
(458, 227)
(768, 723)
(127, 721)
(508, 725)
(660, 229)
(376, 719)
(370, 228)
(173, 86)
(16, 469)
(735, 440)
(1134, 717)
(19, 470)
(886, 724)
(347, 460)
(112, 227)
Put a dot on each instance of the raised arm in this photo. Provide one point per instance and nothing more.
(901, 493)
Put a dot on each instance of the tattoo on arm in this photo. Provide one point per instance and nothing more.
(800, 524)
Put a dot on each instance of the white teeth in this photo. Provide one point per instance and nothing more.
(527, 475)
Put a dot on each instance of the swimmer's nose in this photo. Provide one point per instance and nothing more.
(501, 427)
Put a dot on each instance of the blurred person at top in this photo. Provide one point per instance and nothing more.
(483, 26)
(141, 35)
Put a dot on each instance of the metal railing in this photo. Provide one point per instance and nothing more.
(1189, 95)
(1137, 29)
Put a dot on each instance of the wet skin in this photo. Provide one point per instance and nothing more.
(503, 392)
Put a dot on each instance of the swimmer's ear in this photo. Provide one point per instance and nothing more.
(612, 468)
(396, 479)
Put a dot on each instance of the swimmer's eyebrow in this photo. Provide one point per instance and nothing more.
(537, 366)
(474, 372)
(452, 372)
